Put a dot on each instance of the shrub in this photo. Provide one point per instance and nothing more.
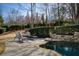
(2, 30)
(67, 29)
(18, 27)
(1, 20)
(5, 26)
(41, 32)
(38, 25)
(14, 27)
(27, 26)
(58, 23)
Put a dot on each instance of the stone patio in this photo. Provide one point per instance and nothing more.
(28, 48)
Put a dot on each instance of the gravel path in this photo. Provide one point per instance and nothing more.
(30, 48)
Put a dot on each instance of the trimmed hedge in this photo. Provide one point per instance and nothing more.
(41, 32)
(66, 29)
(5, 28)
(38, 25)
(44, 32)
(14, 27)
(18, 27)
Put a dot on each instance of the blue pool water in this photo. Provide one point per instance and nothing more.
(64, 48)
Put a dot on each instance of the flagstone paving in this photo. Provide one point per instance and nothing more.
(28, 48)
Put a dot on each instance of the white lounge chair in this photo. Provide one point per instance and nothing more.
(18, 37)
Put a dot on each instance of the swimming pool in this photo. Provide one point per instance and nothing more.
(64, 48)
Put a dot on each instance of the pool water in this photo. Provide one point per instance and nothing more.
(64, 48)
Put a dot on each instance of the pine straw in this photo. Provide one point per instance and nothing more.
(4, 38)
(2, 47)
(9, 35)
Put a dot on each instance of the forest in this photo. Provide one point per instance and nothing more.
(40, 14)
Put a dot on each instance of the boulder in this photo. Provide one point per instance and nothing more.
(56, 37)
(76, 36)
(68, 38)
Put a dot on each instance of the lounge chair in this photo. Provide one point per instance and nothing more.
(18, 37)
(27, 34)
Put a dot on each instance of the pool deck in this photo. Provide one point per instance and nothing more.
(28, 48)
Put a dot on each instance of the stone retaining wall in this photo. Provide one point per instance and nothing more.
(74, 38)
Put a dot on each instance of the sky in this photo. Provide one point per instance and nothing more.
(22, 8)
(6, 8)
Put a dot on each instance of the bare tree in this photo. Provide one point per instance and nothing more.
(46, 11)
(32, 13)
(75, 11)
(42, 18)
